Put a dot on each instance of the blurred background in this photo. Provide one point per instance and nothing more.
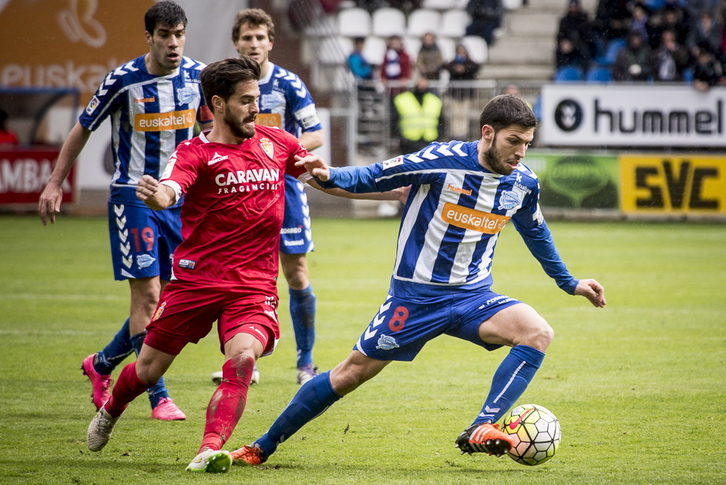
(630, 95)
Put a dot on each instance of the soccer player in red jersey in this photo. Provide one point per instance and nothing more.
(226, 267)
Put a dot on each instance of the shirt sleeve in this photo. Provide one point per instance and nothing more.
(106, 100)
(183, 168)
(531, 225)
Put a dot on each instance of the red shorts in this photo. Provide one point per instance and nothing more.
(187, 311)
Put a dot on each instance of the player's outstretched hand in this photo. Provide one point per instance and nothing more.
(593, 291)
(315, 166)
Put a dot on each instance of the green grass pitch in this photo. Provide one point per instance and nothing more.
(638, 386)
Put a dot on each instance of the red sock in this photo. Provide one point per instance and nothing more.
(228, 402)
(127, 388)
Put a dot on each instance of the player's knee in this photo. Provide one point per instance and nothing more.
(239, 368)
(540, 335)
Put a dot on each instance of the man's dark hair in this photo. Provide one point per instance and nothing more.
(256, 17)
(506, 110)
(220, 78)
(166, 14)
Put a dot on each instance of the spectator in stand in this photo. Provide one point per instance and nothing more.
(358, 64)
(396, 64)
(417, 117)
(705, 32)
(611, 19)
(634, 60)
(569, 55)
(461, 68)
(639, 21)
(429, 61)
(486, 17)
(669, 17)
(7, 136)
(707, 70)
(670, 59)
(576, 26)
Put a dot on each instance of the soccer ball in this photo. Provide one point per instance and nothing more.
(536, 434)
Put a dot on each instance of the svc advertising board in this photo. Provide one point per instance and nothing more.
(664, 184)
(633, 116)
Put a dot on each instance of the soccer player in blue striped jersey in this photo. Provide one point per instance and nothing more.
(154, 103)
(462, 195)
(286, 103)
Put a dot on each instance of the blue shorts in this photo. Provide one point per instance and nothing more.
(142, 240)
(296, 236)
(402, 327)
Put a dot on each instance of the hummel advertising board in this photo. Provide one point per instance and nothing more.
(646, 115)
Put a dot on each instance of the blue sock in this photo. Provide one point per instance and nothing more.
(509, 382)
(311, 400)
(302, 311)
(158, 391)
(115, 352)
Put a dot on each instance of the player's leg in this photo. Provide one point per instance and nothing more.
(529, 335)
(312, 399)
(144, 300)
(248, 328)
(99, 366)
(520, 327)
(295, 243)
(134, 379)
(302, 312)
(227, 403)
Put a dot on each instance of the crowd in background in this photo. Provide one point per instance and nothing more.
(631, 40)
(647, 40)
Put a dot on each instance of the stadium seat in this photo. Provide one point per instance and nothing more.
(599, 74)
(454, 23)
(568, 74)
(612, 49)
(412, 46)
(388, 21)
(334, 50)
(688, 75)
(422, 21)
(354, 22)
(442, 5)
(374, 50)
(477, 47)
(448, 48)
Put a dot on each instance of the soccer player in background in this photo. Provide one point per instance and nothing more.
(226, 268)
(154, 102)
(462, 195)
(285, 102)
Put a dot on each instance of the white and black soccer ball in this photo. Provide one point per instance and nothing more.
(536, 433)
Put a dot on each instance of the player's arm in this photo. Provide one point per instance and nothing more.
(155, 195)
(531, 225)
(312, 139)
(50, 200)
(319, 171)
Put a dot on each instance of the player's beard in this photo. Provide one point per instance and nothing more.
(494, 159)
(238, 127)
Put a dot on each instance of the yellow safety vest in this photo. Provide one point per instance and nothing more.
(418, 121)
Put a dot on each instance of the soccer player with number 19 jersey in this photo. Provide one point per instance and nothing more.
(153, 102)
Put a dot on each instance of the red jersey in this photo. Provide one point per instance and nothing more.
(233, 207)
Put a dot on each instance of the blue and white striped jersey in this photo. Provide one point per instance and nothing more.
(150, 116)
(285, 102)
(454, 214)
